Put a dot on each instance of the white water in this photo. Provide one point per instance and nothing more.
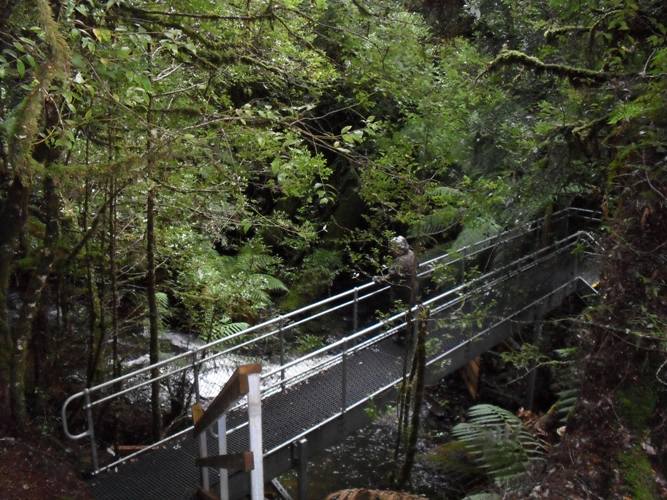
(213, 374)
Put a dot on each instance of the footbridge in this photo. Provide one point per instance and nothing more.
(475, 295)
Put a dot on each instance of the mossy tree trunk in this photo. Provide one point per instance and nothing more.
(22, 155)
(153, 319)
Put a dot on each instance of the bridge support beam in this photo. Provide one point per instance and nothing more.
(301, 460)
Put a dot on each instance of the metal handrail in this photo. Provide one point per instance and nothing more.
(557, 247)
(398, 380)
(500, 238)
(574, 238)
(557, 215)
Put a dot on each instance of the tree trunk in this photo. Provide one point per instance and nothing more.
(30, 300)
(152, 311)
(150, 286)
(419, 366)
(13, 216)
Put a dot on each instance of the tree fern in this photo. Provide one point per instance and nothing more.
(222, 330)
(498, 442)
(567, 383)
(435, 223)
(163, 310)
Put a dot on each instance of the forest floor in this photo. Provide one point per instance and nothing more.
(35, 469)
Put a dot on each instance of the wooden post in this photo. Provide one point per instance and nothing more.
(244, 381)
(197, 414)
(255, 427)
(470, 374)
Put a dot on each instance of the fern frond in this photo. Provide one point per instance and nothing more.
(498, 442)
(163, 310)
(435, 223)
(225, 330)
(270, 283)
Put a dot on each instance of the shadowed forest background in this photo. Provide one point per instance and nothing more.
(199, 165)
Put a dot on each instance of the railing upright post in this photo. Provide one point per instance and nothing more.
(255, 429)
(222, 450)
(195, 376)
(355, 312)
(91, 430)
(463, 266)
(344, 379)
(281, 336)
(302, 461)
(203, 453)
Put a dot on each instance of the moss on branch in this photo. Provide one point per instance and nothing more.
(515, 57)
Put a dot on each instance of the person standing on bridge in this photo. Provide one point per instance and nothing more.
(402, 277)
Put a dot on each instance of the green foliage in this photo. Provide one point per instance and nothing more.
(525, 357)
(453, 458)
(215, 289)
(435, 223)
(637, 403)
(567, 380)
(306, 343)
(163, 309)
(221, 330)
(483, 496)
(638, 475)
(499, 443)
(475, 230)
(314, 277)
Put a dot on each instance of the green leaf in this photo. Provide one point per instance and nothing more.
(20, 67)
(102, 34)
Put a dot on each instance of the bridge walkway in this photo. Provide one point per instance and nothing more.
(465, 320)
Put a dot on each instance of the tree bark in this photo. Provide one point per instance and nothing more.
(151, 285)
(417, 389)
(14, 216)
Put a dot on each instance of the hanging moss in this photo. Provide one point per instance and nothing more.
(25, 117)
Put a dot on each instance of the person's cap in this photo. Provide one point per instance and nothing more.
(400, 243)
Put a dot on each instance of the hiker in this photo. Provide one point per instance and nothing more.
(402, 276)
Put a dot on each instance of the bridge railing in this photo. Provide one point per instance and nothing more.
(188, 375)
(488, 292)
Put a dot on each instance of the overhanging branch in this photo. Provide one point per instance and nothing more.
(581, 75)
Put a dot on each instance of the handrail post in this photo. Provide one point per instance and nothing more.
(355, 311)
(344, 379)
(203, 453)
(255, 429)
(281, 336)
(91, 429)
(195, 376)
(463, 265)
(244, 381)
(222, 450)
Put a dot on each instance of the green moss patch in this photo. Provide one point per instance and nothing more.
(638, 474)
(636, 404)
